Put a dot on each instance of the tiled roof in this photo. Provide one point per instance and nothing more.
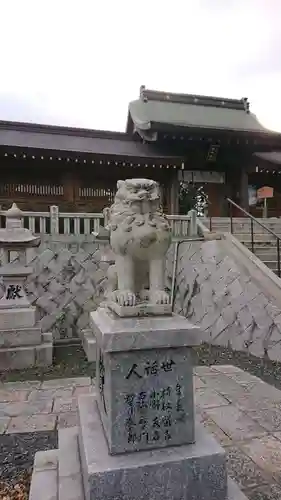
(194, 111)
(272, 156)
(76, 140)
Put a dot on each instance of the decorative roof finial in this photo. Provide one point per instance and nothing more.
(14, 217)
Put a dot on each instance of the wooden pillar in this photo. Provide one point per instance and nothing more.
(71, 188)
(243, 191)
(174, 197)
(214, 196)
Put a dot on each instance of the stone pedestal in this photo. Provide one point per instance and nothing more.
(22, 345)
(144, 376)
(136, 437)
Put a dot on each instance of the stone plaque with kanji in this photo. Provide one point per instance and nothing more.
(146, 398)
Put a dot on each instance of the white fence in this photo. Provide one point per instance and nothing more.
(56, 222)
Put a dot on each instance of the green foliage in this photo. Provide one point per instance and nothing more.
(192, 197)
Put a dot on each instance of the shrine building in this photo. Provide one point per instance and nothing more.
(169, 137)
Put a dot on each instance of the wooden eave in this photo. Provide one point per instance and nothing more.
(69, 143)
(269, 160)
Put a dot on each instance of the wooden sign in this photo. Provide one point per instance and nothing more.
(201, 177)
(265, 192)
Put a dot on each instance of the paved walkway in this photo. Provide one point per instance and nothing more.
(41, 406)
(242, 412)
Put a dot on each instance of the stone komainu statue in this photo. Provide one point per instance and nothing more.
(140, 237)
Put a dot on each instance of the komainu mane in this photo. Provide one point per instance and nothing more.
(140, 237)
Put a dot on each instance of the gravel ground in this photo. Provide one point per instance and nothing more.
(16, 461)
(67, 362)
(18, 489)
(18, 450)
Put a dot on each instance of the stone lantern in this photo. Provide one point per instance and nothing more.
(18, 333)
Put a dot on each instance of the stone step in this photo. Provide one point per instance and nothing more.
(57, 474)
(70, 482)
(257, 238)
(270, 257)
(44, 483)
(263, 246)
(272, 264)
(269, 254)
(242, 220)
(266, 249)
(224, 225)
(247, 230)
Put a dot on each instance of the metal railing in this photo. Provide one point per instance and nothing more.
(252, 221)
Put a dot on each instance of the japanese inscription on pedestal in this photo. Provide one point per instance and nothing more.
(152, 414)
(101, 379)
(13, 292)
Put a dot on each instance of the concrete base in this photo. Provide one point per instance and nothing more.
(59, 474)
(181, 472)
(89, 345)
(19, 357)
(17, 318)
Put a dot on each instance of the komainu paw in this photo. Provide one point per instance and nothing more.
(125, 298)
(159, 297)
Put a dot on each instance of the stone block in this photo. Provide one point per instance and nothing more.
(44, 478)
(66, 383)
(46, 302)
(12, 319)
(17, 358)
(187, 471)
(145, 394)
(15, 396)
(266, 453)
(47, 337)
(44, 354)
(70, 480)
(21, 337)
(125, 334)
(49, 394)
(235, 423)
(25, 408)
(69, 463)
(83, 320)
(79, 391)
(213, 429)
(208, 398)
(33, 423)
(66, 420)
(27, 385)
(4, 422)
(89, 345)
(62, 405)
(46, 460)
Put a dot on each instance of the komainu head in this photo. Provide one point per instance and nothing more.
(138, 190)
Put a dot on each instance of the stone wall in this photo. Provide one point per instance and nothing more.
(227, 298)
(214, 289)
(67, 282)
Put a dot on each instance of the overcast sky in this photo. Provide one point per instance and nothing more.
(79, 63)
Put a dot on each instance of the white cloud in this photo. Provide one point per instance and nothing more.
(80, 63)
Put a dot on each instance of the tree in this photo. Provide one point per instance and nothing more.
(192, 197)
